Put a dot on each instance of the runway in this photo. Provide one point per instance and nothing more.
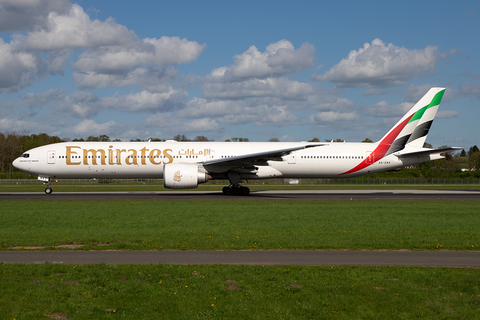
(254, 195)
(265, 257)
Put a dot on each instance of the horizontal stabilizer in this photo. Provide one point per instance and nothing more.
(425, 152)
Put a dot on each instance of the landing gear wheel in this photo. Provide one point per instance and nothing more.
(244, 191)
(227, 191)
(48, 190)
(236, 190)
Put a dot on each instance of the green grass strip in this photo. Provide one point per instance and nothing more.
(262, 292)
(232, 224)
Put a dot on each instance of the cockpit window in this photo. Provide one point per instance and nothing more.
(25, 155)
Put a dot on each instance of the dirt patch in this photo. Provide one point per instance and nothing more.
(70, 246)
(71, 282)
(60, 315)
(294, 287)
(231, 281)
(233, 287)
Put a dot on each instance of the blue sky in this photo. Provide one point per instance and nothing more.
(254, 69)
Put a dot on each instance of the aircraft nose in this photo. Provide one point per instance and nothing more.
(20, 165)
(16, 163)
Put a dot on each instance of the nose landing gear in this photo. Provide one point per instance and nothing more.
(46, 181)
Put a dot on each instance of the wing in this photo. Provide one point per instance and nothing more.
(256, 159)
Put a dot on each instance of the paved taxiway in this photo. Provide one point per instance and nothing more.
(247, 257)
(254, 195)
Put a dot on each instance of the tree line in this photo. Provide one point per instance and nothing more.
(12, 145)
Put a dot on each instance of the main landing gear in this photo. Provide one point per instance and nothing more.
(235, 189)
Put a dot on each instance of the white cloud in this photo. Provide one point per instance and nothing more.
(336, 117)
(237, 112)
(75, 30)
(114, 48)
(200, 107)
(379, 65)
(22, 14)
(33, 100)
(163, 120)
(78, 104)
(56, 61)
(145, 101)
(15, 124)
(324, 100)
(383, 109)
(337, 121)
(81, 104)
(18, 69)
(134, 54)
(200, 125)
(112, 56)
(270, 87)
(262, 115)
(280, 58)
(91, 128)
(150, 79)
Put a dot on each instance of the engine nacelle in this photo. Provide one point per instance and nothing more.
(183, 176)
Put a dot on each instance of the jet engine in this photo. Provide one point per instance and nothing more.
(183, 176)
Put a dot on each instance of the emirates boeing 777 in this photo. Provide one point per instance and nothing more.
(184, 165)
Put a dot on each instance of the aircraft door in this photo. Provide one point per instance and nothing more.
(369, 156)
(291, 158)
(211, 155)
(113, 157)
(51, 157)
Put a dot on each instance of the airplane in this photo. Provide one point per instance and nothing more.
(185, 165)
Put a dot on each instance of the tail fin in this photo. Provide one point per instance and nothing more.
(425, 118)
(413, 127)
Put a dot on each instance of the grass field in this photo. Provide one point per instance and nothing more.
(236, 224)
(259, 292)
(43, 291)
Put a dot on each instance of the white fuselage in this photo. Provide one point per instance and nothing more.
(147, 159)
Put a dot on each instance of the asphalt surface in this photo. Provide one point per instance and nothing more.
(246, 257)
(254, 195)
